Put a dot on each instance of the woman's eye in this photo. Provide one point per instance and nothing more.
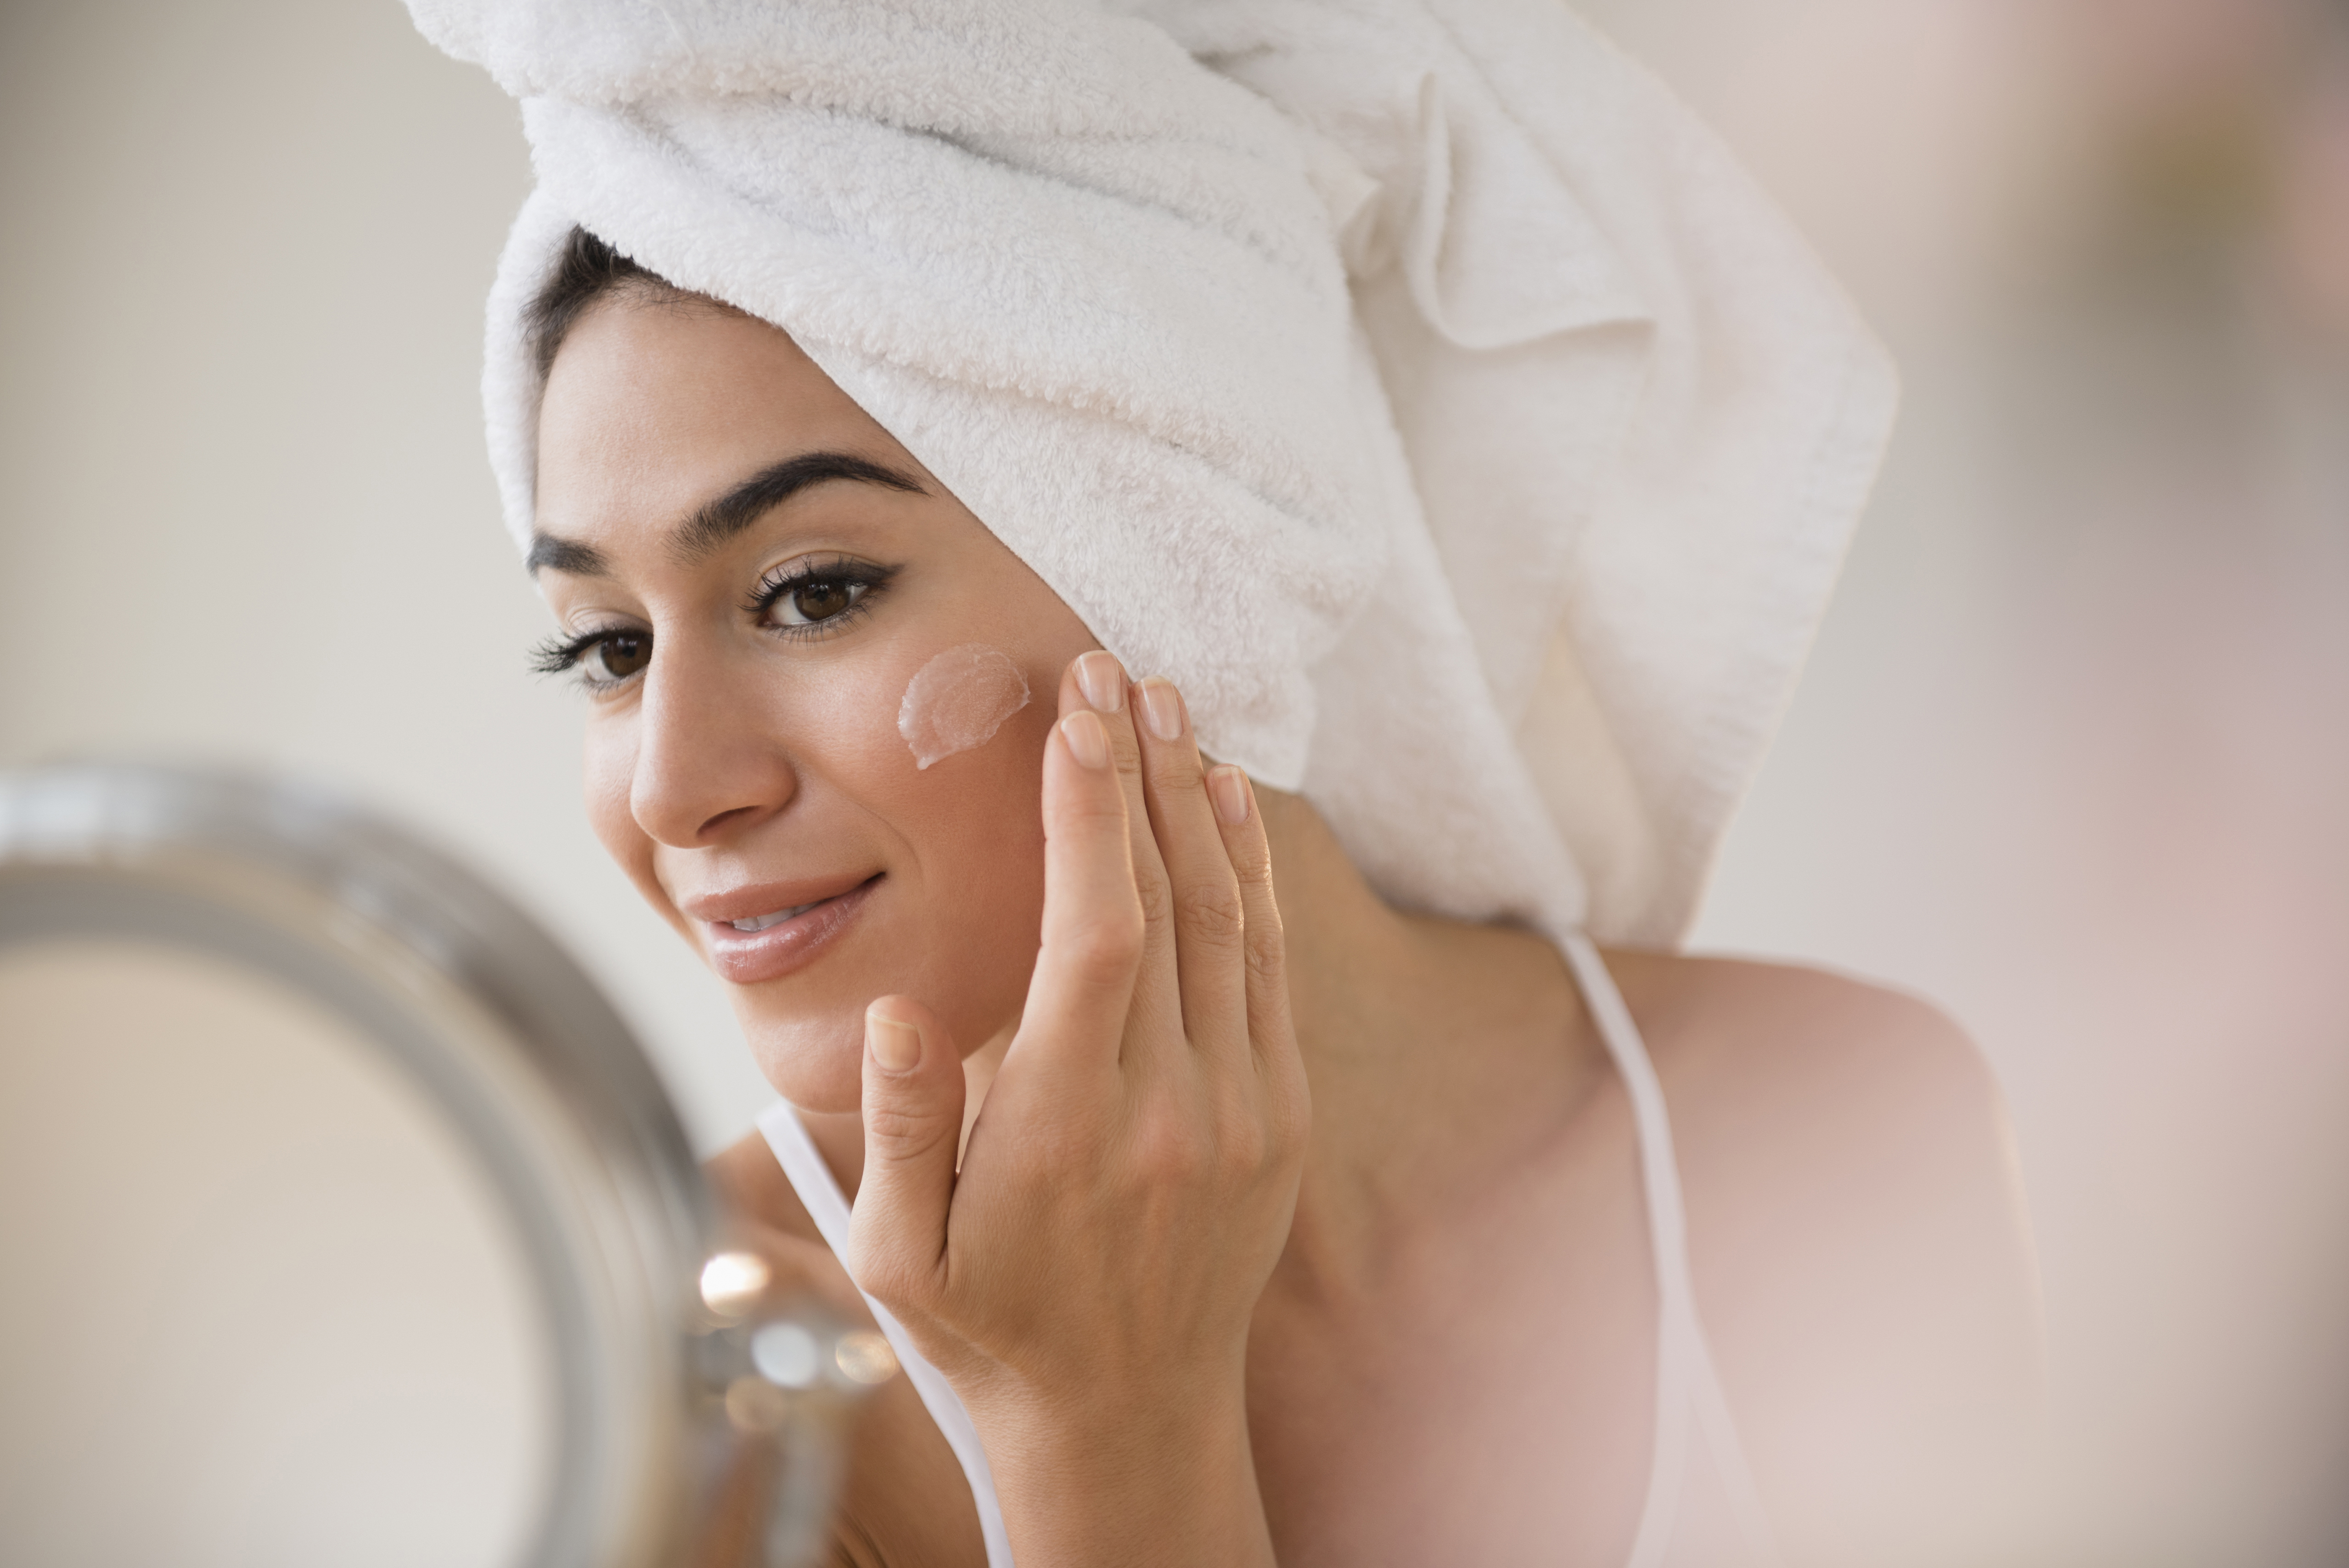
(616, 658)
(817, 599)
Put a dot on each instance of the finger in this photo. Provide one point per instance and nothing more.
(1097, 681)
(1264, 945)
(913, 1126)
(1082, 988)
(1204, 896)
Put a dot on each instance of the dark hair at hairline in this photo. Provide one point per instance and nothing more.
(586, 270)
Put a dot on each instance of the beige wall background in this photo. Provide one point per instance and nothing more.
(2071, 759)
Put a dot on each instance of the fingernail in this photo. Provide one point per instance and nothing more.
(1088, 741)
(1161, 709)
(1228, 787)
(1103, 680)
(896, 1046)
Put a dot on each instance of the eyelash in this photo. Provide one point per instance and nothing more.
(559, 654)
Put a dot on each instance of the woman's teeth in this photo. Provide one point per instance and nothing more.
(761, 922)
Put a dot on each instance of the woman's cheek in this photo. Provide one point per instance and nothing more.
(607, 775)
(990, 822)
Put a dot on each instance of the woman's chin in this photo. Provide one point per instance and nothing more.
(815, 1058)
(806, 1030)
(817, 1065)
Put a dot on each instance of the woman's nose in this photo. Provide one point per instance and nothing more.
(707, 764)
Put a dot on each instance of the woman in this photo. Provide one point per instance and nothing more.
(1253, 1162)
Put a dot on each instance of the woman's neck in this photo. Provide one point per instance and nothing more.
(1438, 1051)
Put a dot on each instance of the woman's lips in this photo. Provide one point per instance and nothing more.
(747, 958)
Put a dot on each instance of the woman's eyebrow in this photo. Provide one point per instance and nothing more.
(564, 555)
(716, 521)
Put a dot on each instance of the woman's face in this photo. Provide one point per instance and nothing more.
(747, 571)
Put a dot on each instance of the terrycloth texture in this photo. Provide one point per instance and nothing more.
(1413, 381)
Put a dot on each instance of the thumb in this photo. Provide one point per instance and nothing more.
(913, 1128)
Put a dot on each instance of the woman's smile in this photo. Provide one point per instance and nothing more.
(795, 924)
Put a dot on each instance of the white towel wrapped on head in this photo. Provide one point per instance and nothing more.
(1413, 381)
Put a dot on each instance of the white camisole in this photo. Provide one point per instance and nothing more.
(1702, 1508)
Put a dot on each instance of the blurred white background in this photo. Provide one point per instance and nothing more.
(2071, 757)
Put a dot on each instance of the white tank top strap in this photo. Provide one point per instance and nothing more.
(813, 1179)
(1688, 1387)
(1690, 1404)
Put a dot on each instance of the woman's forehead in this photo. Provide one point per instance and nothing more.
(654, 410)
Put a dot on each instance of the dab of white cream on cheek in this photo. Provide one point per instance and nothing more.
(959, 700)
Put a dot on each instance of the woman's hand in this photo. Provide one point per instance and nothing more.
(1086, 1279)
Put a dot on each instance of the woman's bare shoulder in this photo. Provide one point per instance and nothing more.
(1857, 1228)
(1779, 1068)
(1725, 1014)
(747, 1176)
